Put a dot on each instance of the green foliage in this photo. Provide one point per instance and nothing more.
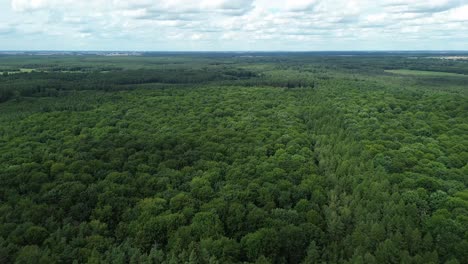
(226, 159)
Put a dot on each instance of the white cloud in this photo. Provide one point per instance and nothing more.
(25, 5)
(266, 22)
(458, 14)
(197, 36)
(161, 6)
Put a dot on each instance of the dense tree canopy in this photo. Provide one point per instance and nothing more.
(228, 159)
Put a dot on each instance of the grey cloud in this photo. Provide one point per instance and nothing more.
(310, 33)
(236, 5)
(302, 7)
(156, 15)
(226, 7)
(347, 19)
(7, 29)
(423, 6)
(86, 30)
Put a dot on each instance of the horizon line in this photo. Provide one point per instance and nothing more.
(226, 51)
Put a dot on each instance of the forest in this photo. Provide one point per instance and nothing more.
(234, 158)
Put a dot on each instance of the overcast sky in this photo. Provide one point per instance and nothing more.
(201, 25)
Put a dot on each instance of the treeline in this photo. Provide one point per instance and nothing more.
(51, 83)
(295, 71)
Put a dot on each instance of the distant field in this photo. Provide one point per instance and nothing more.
(20, 71)
(25, 70)
(451, 58)
(426, 73)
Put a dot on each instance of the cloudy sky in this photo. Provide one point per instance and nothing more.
(233, 25)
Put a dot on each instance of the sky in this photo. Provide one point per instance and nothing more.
(233, 25)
